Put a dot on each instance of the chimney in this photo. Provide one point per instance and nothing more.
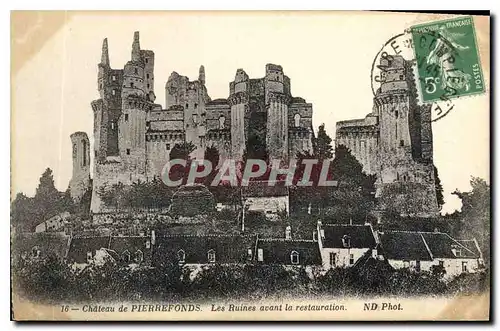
(288, 232)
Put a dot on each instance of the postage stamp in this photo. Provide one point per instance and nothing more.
(447, 59)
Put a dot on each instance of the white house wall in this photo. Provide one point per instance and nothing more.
(274, 204)
(453, 267)
(343, 254)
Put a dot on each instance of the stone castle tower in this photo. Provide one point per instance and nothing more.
(133, 136)
(395, 142)
(80, 180)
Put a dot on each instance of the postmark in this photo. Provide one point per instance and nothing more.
(402, 45)
(447, 58)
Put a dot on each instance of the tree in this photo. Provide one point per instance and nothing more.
(476, 214)
(113, 196)
(182, 151)
(46, 186)
(353, 197)
(322, 144)
(48, 199)
(27, 212)
(256, 148)
(23, 211)
(212, 155)
(439, 189)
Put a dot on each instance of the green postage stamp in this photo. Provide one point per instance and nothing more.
(448, 59)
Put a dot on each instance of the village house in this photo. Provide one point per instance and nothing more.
(54, 224)
(198, 250)
(119, 249)
(421, 251)
(40, 245)
(288, 252)
(332, 246)
(260, 196)
(341, 245)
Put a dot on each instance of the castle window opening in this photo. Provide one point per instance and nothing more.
(35, 251)
(84, 147)
(95, 153)
(147, 75)
(396, 114)
(112, 125)
(139, 256)
(168, 146)
(135, 71)
(401, 143)
(296, 118)
(113, 92)
(346, 241)
(147, 60)
(195, 105)
(351, 259)
(181, 256)
(260, 255)
(187, 105)
(113, 78)
(401, 77)
(128, 151)
(222, 120)
(333, 259)
(126, 117)
(148, 85)
(294, 257)
(211, 256)
(131, 84)
(126, 256)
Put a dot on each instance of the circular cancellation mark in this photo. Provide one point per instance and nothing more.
(402, 45)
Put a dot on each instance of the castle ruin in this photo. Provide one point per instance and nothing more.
(133, 135)
(394, 142)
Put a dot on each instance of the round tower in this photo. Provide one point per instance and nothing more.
(277, 101)
(393, 108)
(132, 139)
(80, 180)
(404, 174)
(133, 72)
(238, 100)
(132, 120)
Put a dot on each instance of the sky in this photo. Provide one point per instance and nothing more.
(327, 55)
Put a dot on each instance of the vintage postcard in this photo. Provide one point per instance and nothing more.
(234, 166)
